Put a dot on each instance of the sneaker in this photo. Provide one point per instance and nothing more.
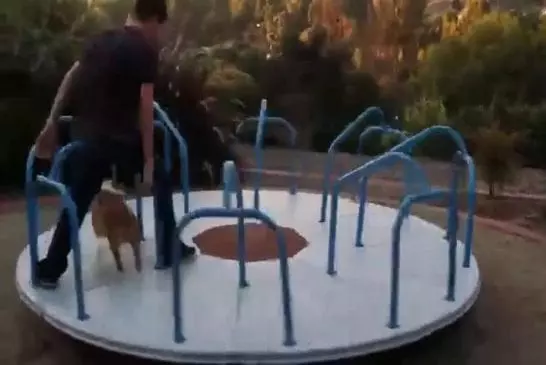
(187, 251)
(43, 279)
(46, 283)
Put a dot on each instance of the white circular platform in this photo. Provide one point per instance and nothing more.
(334, 317)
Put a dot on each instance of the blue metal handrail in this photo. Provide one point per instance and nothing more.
(414, 175)
(293, 135)
(408, 145)
(364, 172)
(453, 222)
(385, 129)
(231, 184)
(372, 114)
(258, 152)
(182, 152)
(232, 213)
(59, 158)
(70, 209)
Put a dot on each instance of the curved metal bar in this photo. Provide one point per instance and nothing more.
(293, 135)
(407, 145)
(382, 128)
(365, 171)
(471, 209)
(363, 188)
(231, 183)
(70, 207)
(55, 173)
(372, 114)
(258, 151)
(29, 167)
(31, 197)
(71, 210)
(410, 143)
(403, 213)
(182, 151)
(233, 213)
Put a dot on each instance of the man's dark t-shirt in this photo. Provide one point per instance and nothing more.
(113, 67)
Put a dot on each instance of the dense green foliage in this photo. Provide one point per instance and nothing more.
(319, 63)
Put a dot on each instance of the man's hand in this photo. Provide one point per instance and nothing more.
(46, 142)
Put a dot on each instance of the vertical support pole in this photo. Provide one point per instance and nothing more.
(295, 164)
(326, 185)
(395, 264)
(160, 262)
(258, 150)
(453, 220)
(184, 177)
(71, 210)
(177, 292)
(138, 183)
(293, 189)
(32, 227)
(241, 248)
(471, 211)
(363, 197)
(289, 339)
(231, 184)
(333, 228)
(226, 196)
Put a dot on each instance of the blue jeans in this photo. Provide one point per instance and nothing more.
(84, 172)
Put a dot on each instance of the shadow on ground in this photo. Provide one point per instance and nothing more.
(506, 326)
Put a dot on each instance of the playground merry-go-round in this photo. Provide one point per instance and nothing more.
(341, 277)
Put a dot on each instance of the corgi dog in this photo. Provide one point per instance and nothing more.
(113, 219)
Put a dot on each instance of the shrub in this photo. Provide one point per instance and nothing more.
(531, 123)
(228, 82)
(423, 114)
(495, 156)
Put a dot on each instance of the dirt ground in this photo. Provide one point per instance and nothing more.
(506, 326)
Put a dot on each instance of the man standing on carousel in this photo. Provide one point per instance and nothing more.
(111, 87)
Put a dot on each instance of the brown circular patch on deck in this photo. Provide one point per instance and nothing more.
(260, 242)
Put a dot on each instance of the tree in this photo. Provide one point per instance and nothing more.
(496, 59)
(424, 113)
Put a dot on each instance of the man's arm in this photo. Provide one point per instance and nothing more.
(147, 60)
(62, 93)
